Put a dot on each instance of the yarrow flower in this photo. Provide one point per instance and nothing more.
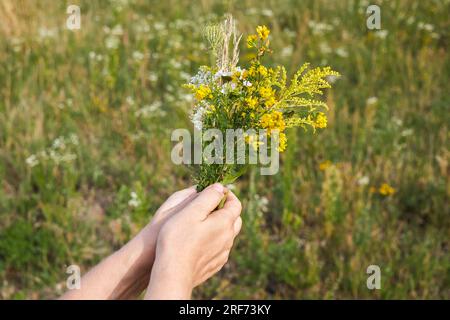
(256, 97)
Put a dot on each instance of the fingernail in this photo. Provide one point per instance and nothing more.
(218, 187)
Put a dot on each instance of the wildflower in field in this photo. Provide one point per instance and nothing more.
(256, 96)
(386, 190)
(325, 165)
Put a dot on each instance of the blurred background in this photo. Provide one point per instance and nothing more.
(86, 118)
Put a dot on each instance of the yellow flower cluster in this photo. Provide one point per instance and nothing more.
(263, 32)
(274, 121)
(203, 92)
(321, 120)
(386, 190)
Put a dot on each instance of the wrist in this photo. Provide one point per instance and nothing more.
(169, 281)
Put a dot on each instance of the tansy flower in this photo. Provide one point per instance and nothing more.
(263, 32)
(386, 190)
(321, 120)
(202, 92)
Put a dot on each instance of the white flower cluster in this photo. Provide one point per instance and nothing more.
(134, 201)
(197, 115)
(60, 151)
(203, 76)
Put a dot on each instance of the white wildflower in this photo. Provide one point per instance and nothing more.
(32, 161)
(363, 181)
(371, 101)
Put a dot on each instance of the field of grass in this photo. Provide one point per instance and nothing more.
(85, 123)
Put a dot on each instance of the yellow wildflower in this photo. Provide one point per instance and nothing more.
(262, 70)
(270, 102)
(265, 92)
(324, 165)
(283, 142)
(272, 120)
(321, 120)
(386, 190)
(202, 92)
(263, 32)
(251, 102)
(251, 40)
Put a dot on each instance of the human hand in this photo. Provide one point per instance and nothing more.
(194, 244)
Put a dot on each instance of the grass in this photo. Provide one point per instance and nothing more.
(86, 117)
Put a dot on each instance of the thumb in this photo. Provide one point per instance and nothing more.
(206, 201)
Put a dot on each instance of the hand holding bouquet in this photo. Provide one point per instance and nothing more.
(253, 99)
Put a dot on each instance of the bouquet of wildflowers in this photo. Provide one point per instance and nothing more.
(254, 99)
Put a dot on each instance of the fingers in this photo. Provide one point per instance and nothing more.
(229, 213)
(232, 205)
(177, 199)
(206, 201)
(237, 226)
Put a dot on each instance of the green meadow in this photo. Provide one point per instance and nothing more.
(86, 118)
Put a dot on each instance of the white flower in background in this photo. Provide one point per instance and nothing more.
(247, 83)
(319, 28)
(363, 181)
(112, 42)
(153, 77)
(397, 121)
(382, 34)
(137, 55)
(74, 139)
(134, 201)
(152, 110)
(341, 52)
(407, 132)
(117, 30)
(287, 51)
(129, 100)
(324, 48)
(32, 161)
(45, 33)
(267, 12)
(332, 79)
(371, 101)
(425, 26)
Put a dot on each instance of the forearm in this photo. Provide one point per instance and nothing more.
(122, 275)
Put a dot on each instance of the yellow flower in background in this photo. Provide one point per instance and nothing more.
(202, 92)
(263, 32)
(321, 120)
(325, 165)
(386, 190)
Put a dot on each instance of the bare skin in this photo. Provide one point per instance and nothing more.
(186, 243)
